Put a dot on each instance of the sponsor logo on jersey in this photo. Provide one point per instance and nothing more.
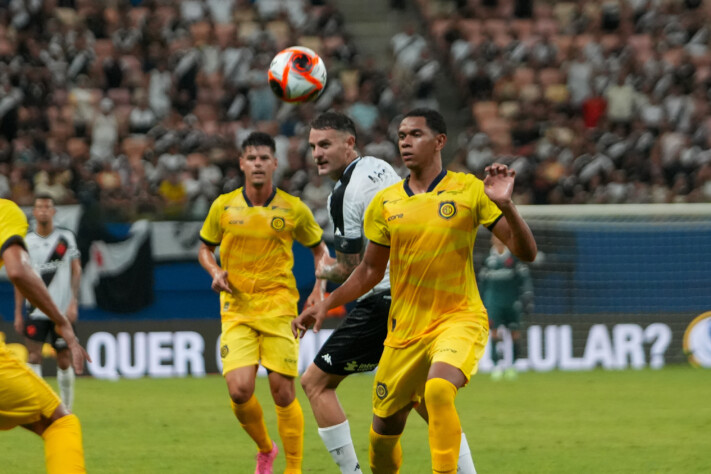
(351, 366)
(697, 341)
(278, 223)
(381, 390)
(395, 216)
(447, 209)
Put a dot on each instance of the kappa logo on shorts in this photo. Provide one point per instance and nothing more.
(447, 209)
(278, 223)
(327, 358)
(381, 390)
(224, 350)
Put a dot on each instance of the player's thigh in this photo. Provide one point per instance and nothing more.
(24, 397)
(57, 340)
(357, 343)
(36, 333)
(400, 379)
(239, 346)
(460, 344)
(279, 349)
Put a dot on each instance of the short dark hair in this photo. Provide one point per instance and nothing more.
(433, 119)
(259, 139)
(334, 121)
(43, 196)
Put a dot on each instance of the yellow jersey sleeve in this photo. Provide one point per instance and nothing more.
(211, 231)
(374, 224)
(307, 231)
(13, 226)
(487, 212)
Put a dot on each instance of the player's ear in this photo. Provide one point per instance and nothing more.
(440, 141)
(350, 141)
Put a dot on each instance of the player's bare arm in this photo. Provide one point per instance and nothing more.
(339, 269)
(512, 230)
(320, 253)
(206, 257)
(28, 282)
(366, 275)
(73, 308)
(19, 319)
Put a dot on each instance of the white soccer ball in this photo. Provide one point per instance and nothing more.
(297, 74)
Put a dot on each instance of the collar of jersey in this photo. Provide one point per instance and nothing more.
(266, 203)
(433, 184)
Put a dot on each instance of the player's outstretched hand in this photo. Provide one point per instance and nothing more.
(311, 316)
(220, 283)
(79, 355)
(499, 182)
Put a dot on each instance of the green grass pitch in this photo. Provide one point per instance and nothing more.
(583, 422)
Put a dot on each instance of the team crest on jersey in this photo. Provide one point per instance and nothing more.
(224, 350)
(278, 224)
(381, 390)
(447, 209)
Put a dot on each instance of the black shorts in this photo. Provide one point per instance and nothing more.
(37, 329)
(357, 343)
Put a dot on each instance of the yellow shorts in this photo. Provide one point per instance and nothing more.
(24, 396)
(402, 372)
(267, 341)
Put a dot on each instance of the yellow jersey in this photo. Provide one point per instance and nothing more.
(431, 239)
(13, 228)
(256, 251)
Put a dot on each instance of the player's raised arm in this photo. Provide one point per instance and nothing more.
(512, 230)
(366, 275)
(206, 257)
(28, 282)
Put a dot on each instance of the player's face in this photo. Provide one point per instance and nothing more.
(258, 164)
(417, 142)
(43, 211)
(331, 149)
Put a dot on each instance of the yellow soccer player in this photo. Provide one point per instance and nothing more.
(255, 227)
(25, 399)
(437, 327)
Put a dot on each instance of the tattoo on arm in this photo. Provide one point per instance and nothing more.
(344, 266)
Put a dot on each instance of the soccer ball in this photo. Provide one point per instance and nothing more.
(297, 74)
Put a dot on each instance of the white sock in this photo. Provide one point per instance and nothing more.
(465, 464)
(65, 380)
(36, 368)
(338, 442)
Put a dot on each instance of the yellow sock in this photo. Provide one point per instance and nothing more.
(251, 418)
(385, 453)
(63, 448)
(445, 431)
(290, 420)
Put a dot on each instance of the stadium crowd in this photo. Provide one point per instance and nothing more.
(141, 105)
(591, 102)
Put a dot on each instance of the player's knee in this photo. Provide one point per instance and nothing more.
(439, 392)
(312, 383)
(283, 394)
(241, 395)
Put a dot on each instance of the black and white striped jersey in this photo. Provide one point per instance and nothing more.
(361, 180)
(52, 257)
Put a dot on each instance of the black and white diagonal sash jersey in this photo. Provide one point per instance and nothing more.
(361, 180)
(52, 257)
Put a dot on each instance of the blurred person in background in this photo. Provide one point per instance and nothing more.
(54, 254)
(507, 292)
